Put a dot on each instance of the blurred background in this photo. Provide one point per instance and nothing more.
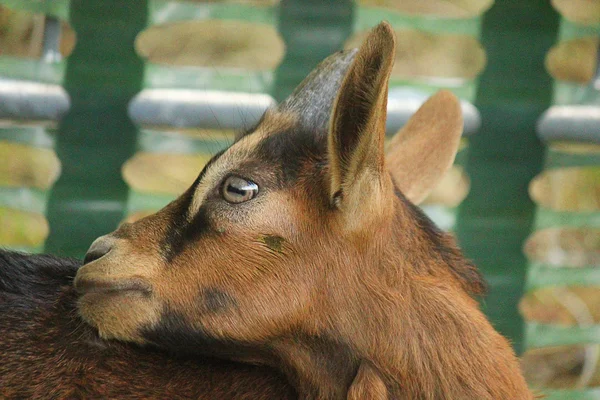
(109, 109)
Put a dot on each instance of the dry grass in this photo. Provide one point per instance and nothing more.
(573, 60)
(258, 3)
(212, 43)
(21, 34)
(422, 54)
(586, 12)
(575, 148)
(565, 366)
(567, 189)
(21, 228)
(27, 166)
(162, 173)
(441, 8)
(561, 367)
(564, 247)
(570, 306)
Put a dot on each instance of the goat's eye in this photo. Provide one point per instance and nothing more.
(238, 190)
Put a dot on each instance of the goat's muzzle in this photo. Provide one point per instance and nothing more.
(99, 248)
(96, 277)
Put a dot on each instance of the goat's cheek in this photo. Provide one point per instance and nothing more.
(233, 312)
(270, 311)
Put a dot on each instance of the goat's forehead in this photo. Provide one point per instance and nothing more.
(277, 142)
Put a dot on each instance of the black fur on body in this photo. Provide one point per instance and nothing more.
(47, 352)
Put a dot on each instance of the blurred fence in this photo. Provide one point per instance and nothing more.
(109, 109)
(562, 303)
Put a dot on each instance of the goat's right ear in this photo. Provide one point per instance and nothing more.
(358, 179)
(419, 155)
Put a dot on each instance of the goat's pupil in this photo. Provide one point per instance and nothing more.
(238, 190)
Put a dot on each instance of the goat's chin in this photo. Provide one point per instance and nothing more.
(118, 316)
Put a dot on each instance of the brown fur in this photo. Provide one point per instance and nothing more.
(365, 298)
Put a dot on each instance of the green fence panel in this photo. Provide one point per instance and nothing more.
(568, 217)
(96, 136)
(505, 155)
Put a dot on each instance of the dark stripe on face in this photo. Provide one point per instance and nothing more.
(180, 230)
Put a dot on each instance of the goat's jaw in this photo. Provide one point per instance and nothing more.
(119, 315)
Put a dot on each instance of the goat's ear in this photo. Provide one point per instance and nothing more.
(357, 129)
(424, 149)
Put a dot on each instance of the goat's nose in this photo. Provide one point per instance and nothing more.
(99, 248)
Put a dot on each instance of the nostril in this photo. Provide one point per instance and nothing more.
(97, 250)
(93, 255)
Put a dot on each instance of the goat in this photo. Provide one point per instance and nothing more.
(47, 352)
(300, 247)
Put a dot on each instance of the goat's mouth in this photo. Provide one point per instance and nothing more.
(118, 307)
(89, 285)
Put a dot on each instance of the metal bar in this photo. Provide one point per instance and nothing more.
(225, 110)
(194, 108)
(23, 100)
(51, 42)
(401, 109)
(579, 123)
(596, 79)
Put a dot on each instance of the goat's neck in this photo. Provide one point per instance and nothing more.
(319, 368)
(431, 341)
(428, 343)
